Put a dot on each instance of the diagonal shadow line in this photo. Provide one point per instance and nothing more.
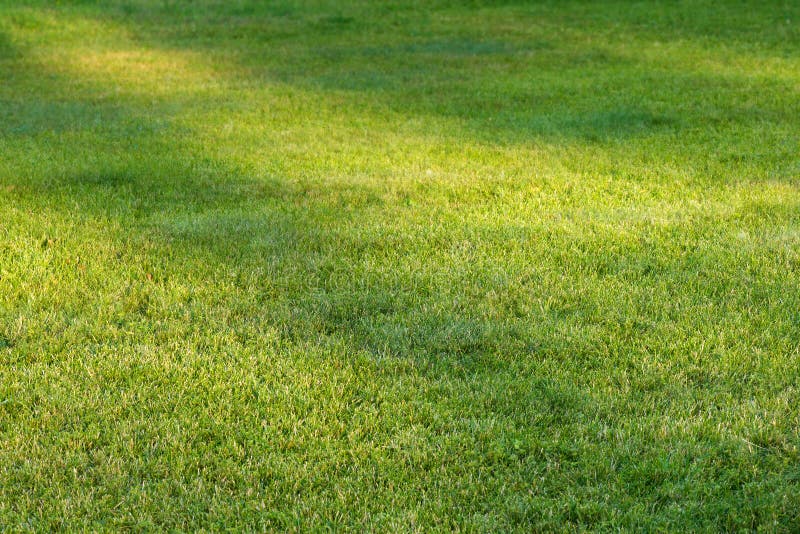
(145, 195)
(178, 187)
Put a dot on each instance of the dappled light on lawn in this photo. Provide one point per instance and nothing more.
(498, 266)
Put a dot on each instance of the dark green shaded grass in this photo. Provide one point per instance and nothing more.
(399, 267)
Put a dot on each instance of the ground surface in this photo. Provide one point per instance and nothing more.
(398, 265)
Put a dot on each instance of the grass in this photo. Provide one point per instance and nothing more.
(480, 266)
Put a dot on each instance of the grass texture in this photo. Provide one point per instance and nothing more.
(399, 266)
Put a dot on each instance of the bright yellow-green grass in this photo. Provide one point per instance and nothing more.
(399, 266)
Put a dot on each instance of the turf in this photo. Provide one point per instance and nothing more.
(399, 266)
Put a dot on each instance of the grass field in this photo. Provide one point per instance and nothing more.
(399, 266)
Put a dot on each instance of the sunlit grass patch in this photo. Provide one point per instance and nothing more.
(362, 266)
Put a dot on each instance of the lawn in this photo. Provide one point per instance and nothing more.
(399, 266)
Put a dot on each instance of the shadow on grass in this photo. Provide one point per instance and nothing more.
(580, 95)
(277, 244)
(556, 81)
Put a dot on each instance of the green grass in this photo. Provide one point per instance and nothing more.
(399, 265)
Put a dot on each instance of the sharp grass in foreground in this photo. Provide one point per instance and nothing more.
(399, 266)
